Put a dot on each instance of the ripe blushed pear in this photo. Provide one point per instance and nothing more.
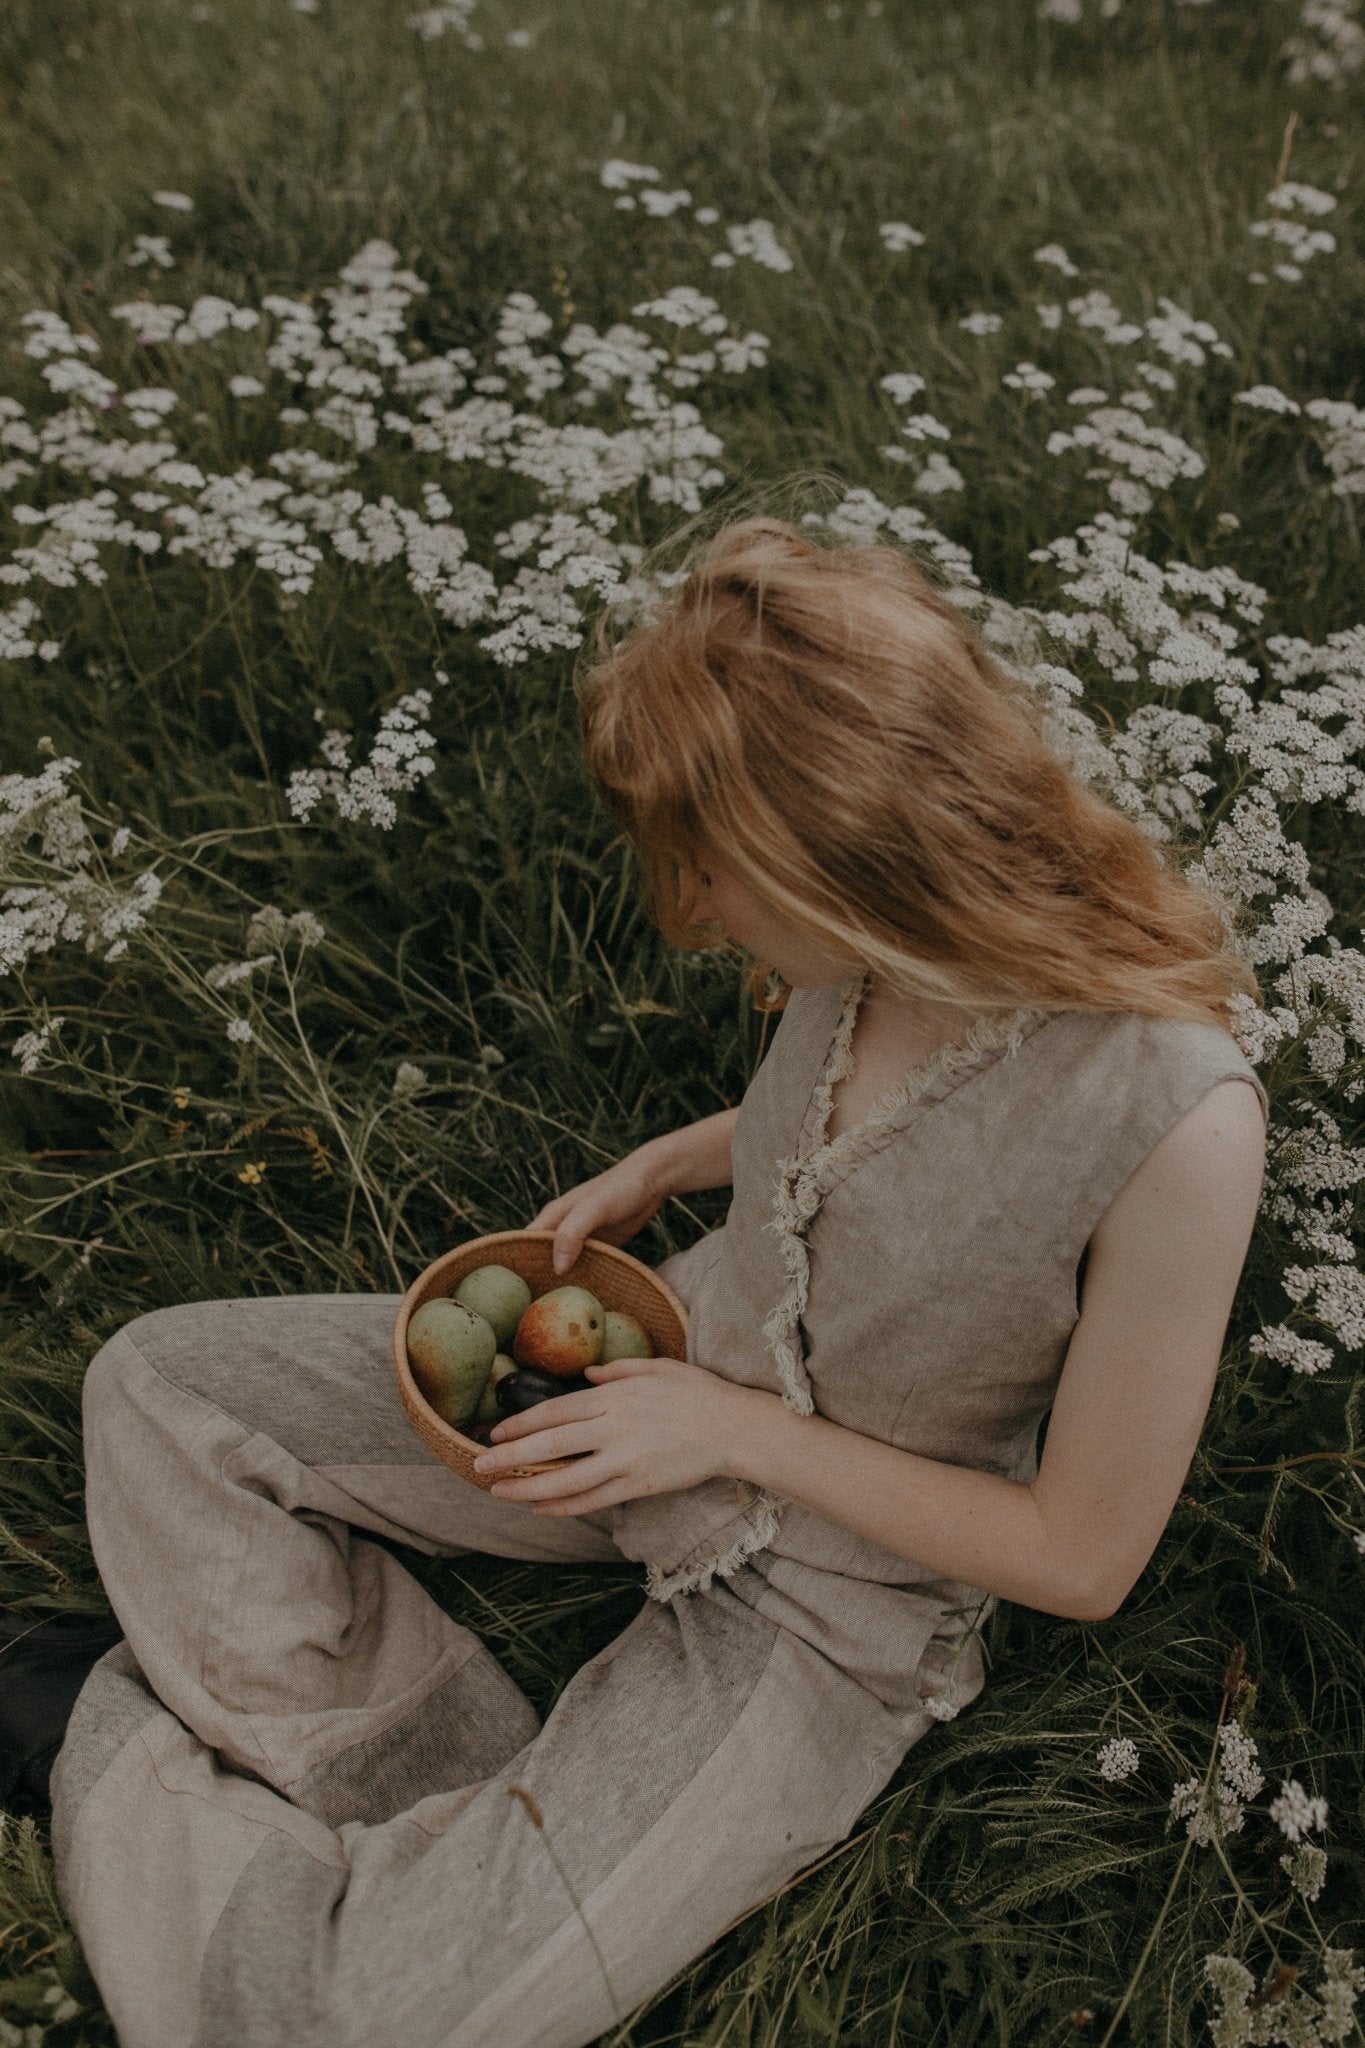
(625, 1338)
(451, 1350)
(498, 1295)
(561, 1331)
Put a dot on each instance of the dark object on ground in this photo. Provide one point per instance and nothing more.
(44, 1662)
(526, 1386)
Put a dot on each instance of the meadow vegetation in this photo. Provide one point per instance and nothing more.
(350, 358)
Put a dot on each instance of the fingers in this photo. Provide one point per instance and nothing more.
(580, 1477)
(607, 1496)
(570, 1440)
(580, 1406)
(627, 1368)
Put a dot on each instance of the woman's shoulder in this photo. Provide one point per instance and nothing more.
(1158, 1055)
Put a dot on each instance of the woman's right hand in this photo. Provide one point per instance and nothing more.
(612, 1205)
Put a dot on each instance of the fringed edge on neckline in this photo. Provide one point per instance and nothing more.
(763, 1515)
(795, 1200)
(993, 1031)
(803, 1181)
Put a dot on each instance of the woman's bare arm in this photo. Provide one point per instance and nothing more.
(697, 1156)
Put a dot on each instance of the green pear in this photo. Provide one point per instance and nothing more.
(498, 1295)
(625, 1338)
(488, 1409)
(451, 1350)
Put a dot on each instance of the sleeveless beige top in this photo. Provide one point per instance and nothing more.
(915, 1279)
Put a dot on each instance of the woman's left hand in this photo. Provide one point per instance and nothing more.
(646, 1425)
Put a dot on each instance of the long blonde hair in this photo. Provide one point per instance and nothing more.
(824, 719)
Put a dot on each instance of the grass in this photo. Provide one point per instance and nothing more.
(999, 1891)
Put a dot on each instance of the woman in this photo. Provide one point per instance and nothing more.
(1001, 1163)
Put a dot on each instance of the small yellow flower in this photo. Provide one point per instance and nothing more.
(251, 1174)
(181, 1098)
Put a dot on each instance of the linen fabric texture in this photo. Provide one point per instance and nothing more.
(301, 1808)
(915, 1280)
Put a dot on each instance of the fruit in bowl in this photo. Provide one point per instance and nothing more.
(621, 1307)
(455, 1359)
(450, 1349)
(497, 1294)
(561, 1331)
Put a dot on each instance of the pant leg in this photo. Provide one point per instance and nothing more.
(234, 1451)
(401, 1891)
(684, 1775)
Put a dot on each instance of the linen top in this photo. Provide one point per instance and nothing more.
(915, 1279)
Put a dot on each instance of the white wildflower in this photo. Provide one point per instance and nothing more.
(239, 1031)
(229, 973)
(408, 1079)
(1284, 2011)
(922, 426)
(937, 475)
(1330, 44)
(757, 239)
(398, 762)
(178, 202)
(1215, 1812)
(940, 1709)
(1307, 198)
(150, 249)
(898, 235)
(432, 22)
(1344, 442)
(1055, 254)
(1267, 398)
(1096, 309)
(1028, 377)
(617, 174)
(1118, 1759)
(30, 1046)
(1287, 1347)
(1295, 1812)
(1306, 1869)
(981, 323)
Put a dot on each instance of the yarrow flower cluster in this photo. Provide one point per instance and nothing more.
(1118, 1759)
(398, 761)
(1301, 242)
(31, 1046)
(1215, 1812)
(1295, 1813)
(1284, 2011)
(898, 235)
(1329, 44)
(86, 904)
(347, 351)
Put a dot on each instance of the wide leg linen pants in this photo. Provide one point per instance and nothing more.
(283, 1813)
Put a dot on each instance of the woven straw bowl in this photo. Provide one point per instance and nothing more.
(619, 1282)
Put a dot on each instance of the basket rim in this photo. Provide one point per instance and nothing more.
(408, 1385)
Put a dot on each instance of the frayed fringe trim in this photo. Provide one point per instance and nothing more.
(764, 1516)
(804, 1180)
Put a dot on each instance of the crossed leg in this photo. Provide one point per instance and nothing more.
(300, 1807)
